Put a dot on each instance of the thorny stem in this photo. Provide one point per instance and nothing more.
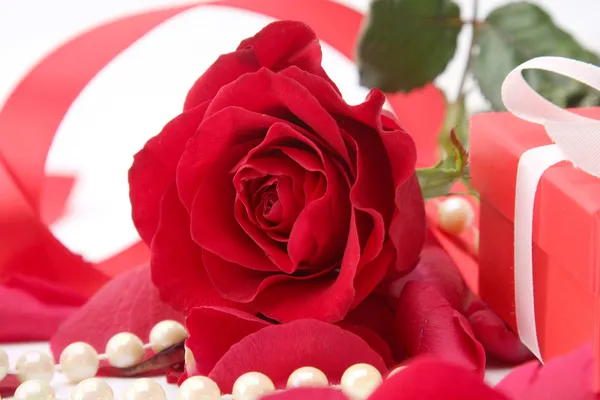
(475, 27)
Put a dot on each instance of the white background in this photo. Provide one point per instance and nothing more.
(131, 99)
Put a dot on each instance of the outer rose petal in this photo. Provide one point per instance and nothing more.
(275, 47)
(187, 285)
(427, 324)
(212, 332)
(567, 377)
(153, 169)
(433, 379)
(497, 339)
(308, 393)
(288, 43)
(128, 303)
(278, 350)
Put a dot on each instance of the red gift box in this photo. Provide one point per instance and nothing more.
(566, 232)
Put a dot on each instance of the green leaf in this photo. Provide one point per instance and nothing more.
(407, 43)
(438, 180)
(517, 32)
(435, 181)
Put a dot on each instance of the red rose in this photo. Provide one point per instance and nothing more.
(269, 193)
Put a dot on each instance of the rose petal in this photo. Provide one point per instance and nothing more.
(128, 303)
(326, 300)
(280, 349)
(433, 379)
(497, 339)
(206, 165)
(427, 324)
(276, 46)
(308, 393)
(408, 238)
(373, 339)
(438, 270)
(153, 169)
(8, 385)
(285, 98)
(213, 331)
(566, 377)
(189, 285)
(376, 314)
(284, 43)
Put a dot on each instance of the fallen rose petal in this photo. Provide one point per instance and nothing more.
(213, 331)
(426, 323)
(128, 303)
(433, 379)
(8, 385)
(566, 377)
(376, 314)
(373, 340)
(437, 269)
(308, 393)
(497, 339)
(278, 350)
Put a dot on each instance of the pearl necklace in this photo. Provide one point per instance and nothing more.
(79, 362)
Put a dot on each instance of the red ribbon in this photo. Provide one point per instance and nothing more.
(31, 116)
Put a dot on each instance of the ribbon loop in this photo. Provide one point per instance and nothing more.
(577, 136)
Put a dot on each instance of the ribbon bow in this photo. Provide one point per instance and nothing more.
(576, 139)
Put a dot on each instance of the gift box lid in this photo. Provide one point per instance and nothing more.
(567, 205)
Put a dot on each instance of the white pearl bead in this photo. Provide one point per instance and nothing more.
(455, 214)
(35, 365)
(3, 364)
(396, 370)
(251, 386)
(79, 361)
(124, 350)
(166, 334)
(307, 377)
(199, 388)
(34, 390)
(92, 389)
(144, 389)
(360, 380)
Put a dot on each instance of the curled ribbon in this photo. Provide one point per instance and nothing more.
(576, 139)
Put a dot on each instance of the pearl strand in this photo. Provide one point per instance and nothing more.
(357, 382)
(80, 362)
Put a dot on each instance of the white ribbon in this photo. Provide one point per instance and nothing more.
(576, 138)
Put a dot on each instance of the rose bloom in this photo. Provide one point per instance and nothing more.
(272, 195)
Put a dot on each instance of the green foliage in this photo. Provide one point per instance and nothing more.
(438, 180)
(518, 32)
(407, 43)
